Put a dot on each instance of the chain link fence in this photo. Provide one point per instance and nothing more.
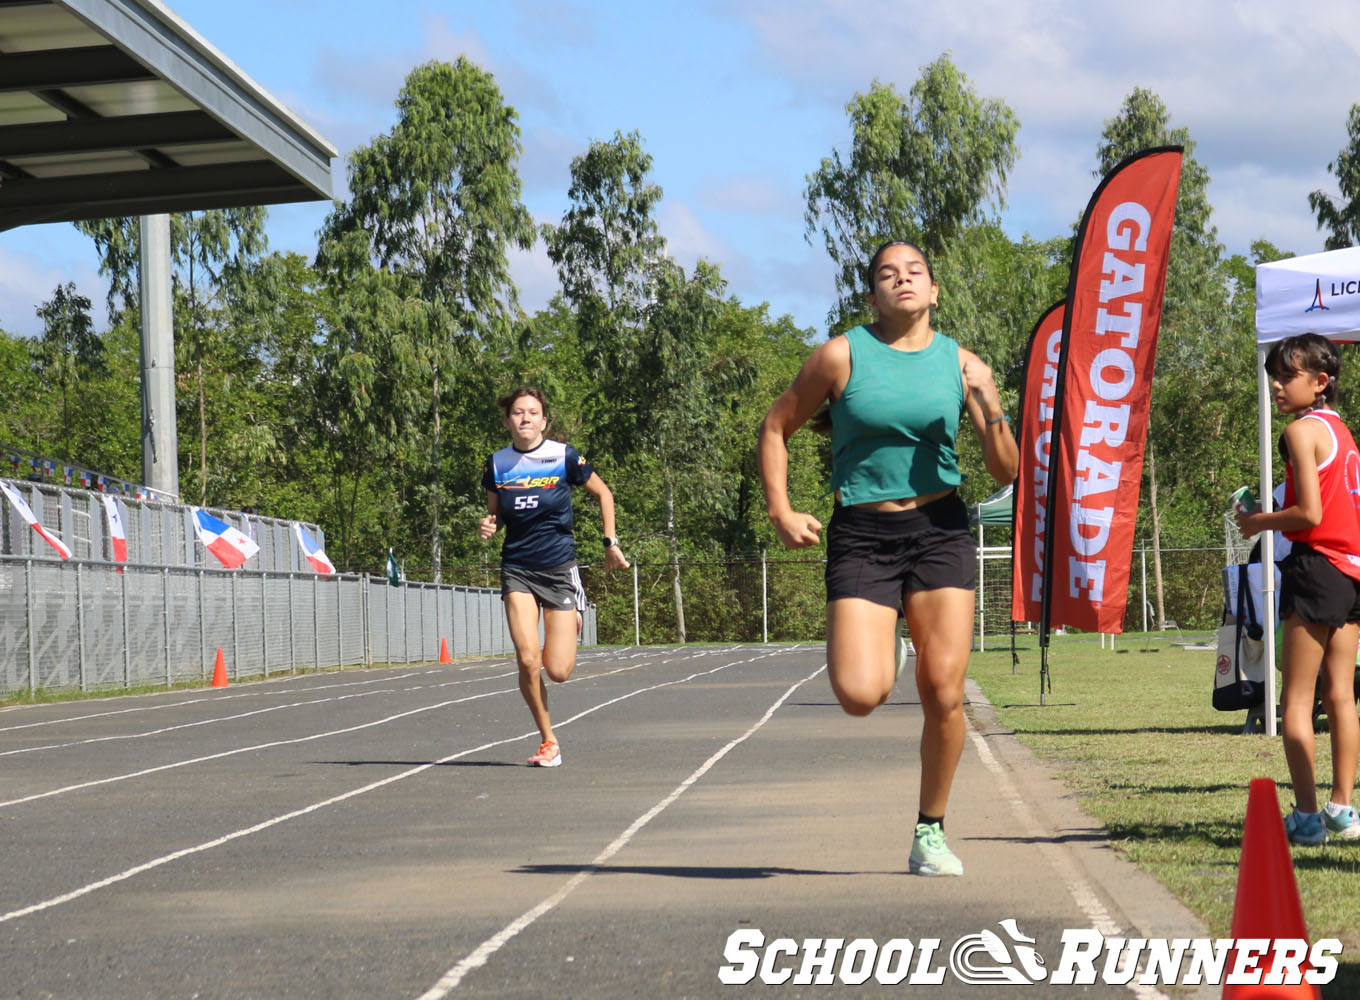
(784, 600)
(85, 625)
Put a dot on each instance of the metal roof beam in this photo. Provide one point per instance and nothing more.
(93, 135)
(58, 69)
(177, 189)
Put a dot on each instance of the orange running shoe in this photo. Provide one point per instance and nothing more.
(549, 755)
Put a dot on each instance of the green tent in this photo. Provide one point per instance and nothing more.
(996, 509)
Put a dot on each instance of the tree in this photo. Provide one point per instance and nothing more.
(648, 332)
(435, 207)
(1341, 219)
(919, 169)
(69, 353)
(1197, 349)
(208, 251)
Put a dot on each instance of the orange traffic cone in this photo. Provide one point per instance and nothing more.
(444, 651)
(1267, 904)
(219, 671)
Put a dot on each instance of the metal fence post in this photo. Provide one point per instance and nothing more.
(28, 603)
(264, 621)
(292, 629)
(1143, 552)
(316, 628)
(764, 598)
(202, 632)
(127, 654)
(165, 623)
(366, 611)
(637, 620)
(235, 632)
(80, 633)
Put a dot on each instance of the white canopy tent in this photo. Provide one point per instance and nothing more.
(1318, 293)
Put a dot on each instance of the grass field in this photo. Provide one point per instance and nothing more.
(1132, 731)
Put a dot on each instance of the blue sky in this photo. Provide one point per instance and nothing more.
(738, 100)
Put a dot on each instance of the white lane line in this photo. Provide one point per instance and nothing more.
(166, 859)
(276, 708)
(205, 700)
(278, 743)
(1077, 887)
(238, 716)
(483, 952)
(217, 699)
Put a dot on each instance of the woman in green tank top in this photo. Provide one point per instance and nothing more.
(898, 543)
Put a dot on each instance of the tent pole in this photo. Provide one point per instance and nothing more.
(981, 590)
(1267, 495)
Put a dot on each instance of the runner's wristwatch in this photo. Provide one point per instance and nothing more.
(610, 541)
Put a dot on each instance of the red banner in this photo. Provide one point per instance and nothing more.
(1114, 311)
(1038, 389)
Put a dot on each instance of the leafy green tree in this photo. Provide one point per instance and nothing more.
(919, 169)
(69, 354)
(1341, 218)
(648, 331)
(435, 206)
(1202, 364)
(208, 251)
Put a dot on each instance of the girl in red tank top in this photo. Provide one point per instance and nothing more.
(1320, 581)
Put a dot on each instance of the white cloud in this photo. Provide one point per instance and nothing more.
(751, 195)
(29, 276)
(1263, 89)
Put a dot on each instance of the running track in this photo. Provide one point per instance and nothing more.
(374, 833)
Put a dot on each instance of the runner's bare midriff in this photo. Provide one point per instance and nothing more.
(906, 503)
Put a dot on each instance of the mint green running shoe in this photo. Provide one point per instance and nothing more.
(930, 855)
(1343, 825)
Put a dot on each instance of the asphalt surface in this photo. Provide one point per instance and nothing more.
(375, 833)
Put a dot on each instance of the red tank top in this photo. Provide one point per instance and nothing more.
(1337, 536)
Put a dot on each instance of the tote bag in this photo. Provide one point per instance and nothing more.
(1240, 668)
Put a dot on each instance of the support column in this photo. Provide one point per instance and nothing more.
(160, 438)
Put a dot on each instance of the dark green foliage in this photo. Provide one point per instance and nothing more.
(360, 391)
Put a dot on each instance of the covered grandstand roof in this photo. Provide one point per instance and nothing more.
(118, 108)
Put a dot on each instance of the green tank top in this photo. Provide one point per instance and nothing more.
(894, 428)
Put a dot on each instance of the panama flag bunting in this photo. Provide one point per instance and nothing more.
(117, 532)
(229, 544)
(315, 554)
(26, 512)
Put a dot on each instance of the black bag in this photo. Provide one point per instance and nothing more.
(1240, 670)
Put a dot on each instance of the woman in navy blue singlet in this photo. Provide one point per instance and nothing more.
(528, 492)
(898, 542)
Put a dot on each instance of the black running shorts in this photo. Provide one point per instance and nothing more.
(882, 555)
(1317, 590)
(557, 588)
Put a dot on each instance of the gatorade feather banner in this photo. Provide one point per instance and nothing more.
(1100, 413)
(1034, 436)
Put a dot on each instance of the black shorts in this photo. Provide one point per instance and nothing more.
(557, 588)
(1316, 590)
(881, 555)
